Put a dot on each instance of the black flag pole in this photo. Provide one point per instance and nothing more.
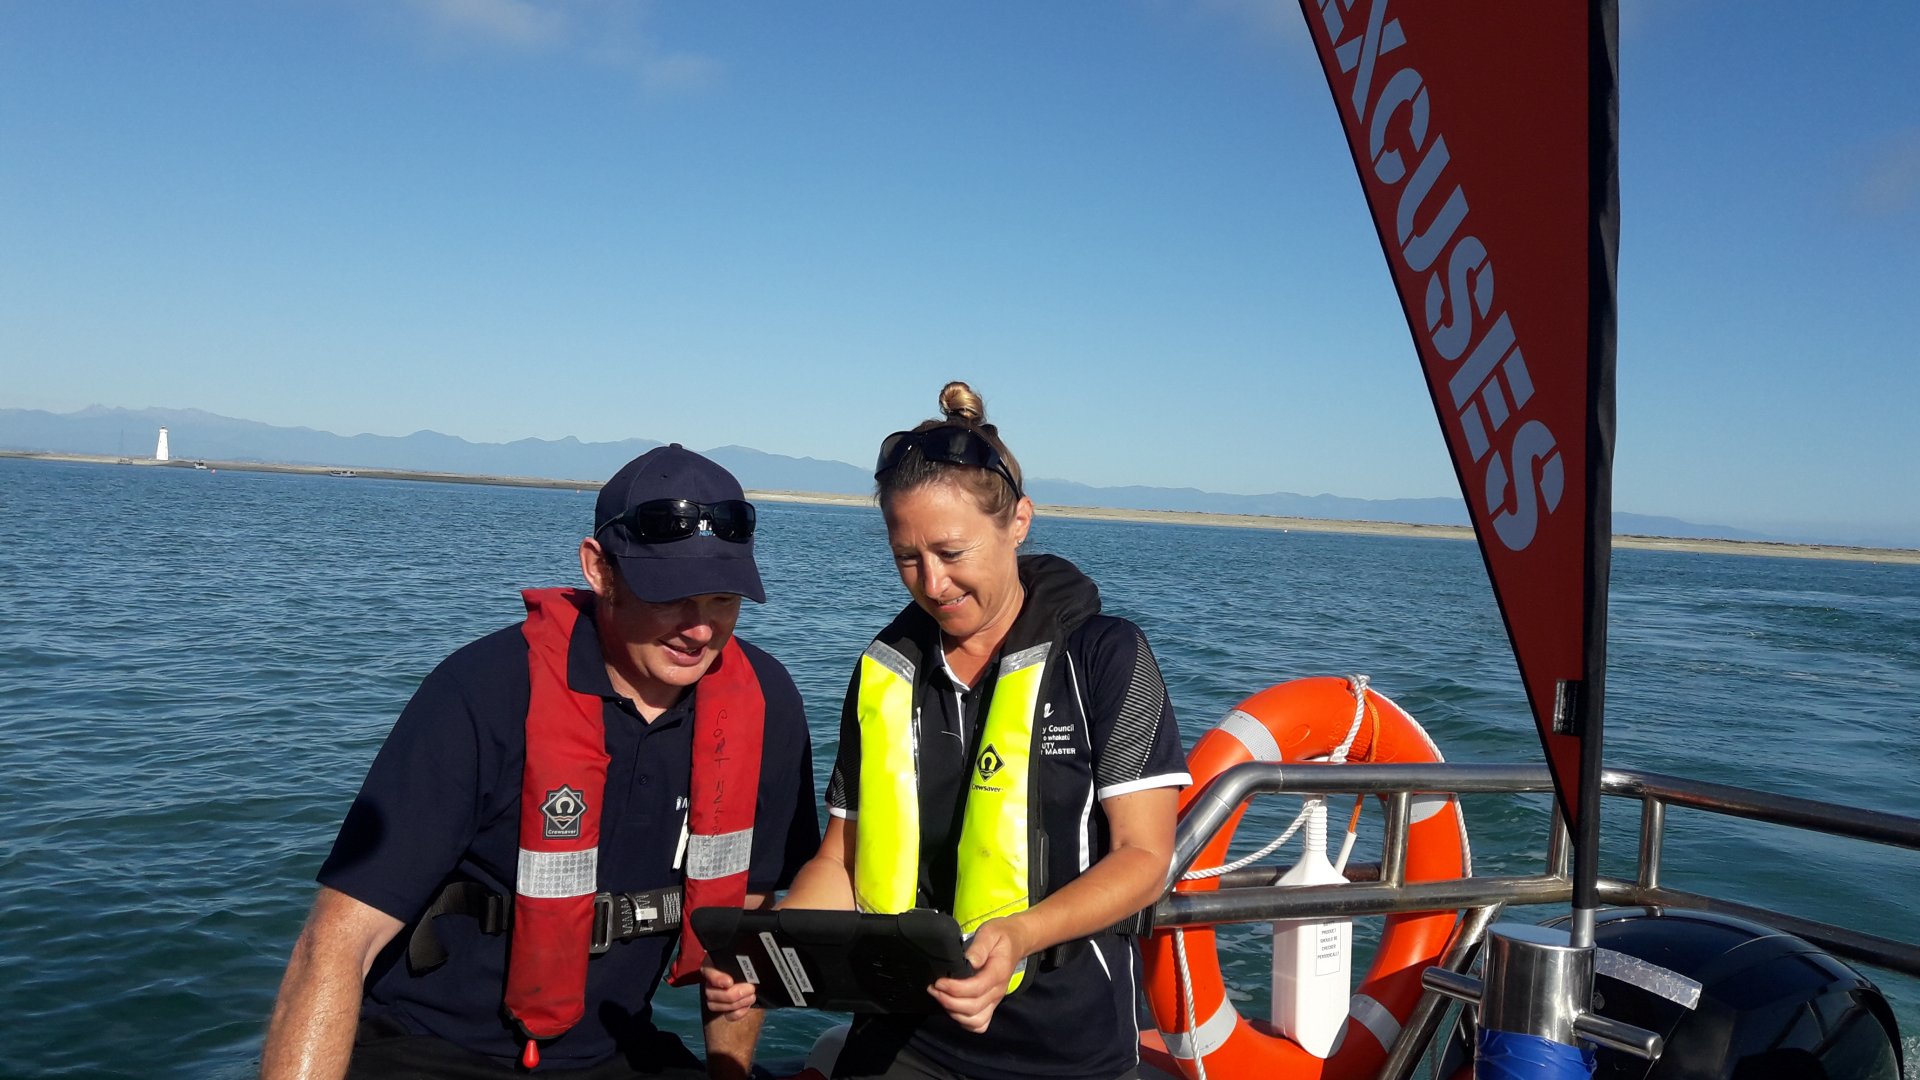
(1603, 248)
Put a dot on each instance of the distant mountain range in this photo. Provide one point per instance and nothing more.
(204, 435)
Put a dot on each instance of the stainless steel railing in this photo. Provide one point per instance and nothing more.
(1656, 792)
(1248, 895)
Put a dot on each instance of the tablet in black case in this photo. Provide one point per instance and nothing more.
(842, 961)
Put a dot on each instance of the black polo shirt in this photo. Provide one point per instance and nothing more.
(1108, 730)
(442, 803)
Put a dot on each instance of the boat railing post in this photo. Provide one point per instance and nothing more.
(1393, 846)
(1653, 830)
(1536, 987)
(1534, 982)
(1422, 1024)
(1559, 844)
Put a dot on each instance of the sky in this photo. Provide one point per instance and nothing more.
(1133, 225)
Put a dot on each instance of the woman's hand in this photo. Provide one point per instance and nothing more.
(724, 996)
(1126, 879)
(997, 947)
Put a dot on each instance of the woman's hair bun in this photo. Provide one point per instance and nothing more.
(959, 404)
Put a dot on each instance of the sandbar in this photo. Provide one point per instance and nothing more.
(1776, 549)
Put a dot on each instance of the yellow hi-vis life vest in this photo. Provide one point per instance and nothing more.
(995, 867)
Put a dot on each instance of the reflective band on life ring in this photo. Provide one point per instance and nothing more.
(1300, 721)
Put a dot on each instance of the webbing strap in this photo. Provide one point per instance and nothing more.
(616, 917)
(492, 910)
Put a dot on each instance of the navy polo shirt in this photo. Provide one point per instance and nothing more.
(442, 803)
(1108, 730)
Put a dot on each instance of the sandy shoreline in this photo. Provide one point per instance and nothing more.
(1906, 556)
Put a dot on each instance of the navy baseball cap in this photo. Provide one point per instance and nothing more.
(692, 565)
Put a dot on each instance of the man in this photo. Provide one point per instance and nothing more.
(507, 888)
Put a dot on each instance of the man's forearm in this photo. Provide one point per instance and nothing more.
(311, 1034)
(730, 1043)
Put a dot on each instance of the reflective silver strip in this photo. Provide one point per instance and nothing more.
(1211, 1035)
(889, 657)
(1252, 734)
(1025, 658)
(1648, 976)
(1422, 807)
(556, 875)
(1384, 1026)
(710, 857)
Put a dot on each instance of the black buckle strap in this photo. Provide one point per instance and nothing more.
(616, 917)
(491, 910)
(1138, 924)
(620, 916)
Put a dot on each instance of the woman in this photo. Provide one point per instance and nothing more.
(999, 715)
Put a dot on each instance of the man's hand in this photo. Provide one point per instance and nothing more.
(724, 997)
(731, 1026)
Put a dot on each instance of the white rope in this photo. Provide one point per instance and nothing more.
(1358, 684)
(1215, 871)
(1186, 997)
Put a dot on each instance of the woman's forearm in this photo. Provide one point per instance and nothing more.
(826, 881)
(1121, 883)
(1127, 878)
(821, 883)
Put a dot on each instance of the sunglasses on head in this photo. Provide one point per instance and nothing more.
(658, 521)
(948, 443)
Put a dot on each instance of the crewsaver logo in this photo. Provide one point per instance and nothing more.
(563, 808)
(989, 762)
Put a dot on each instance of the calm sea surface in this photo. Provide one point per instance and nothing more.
(196, 669)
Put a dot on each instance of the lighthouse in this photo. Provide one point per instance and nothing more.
(160, 451)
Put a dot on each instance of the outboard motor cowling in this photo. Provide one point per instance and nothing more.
(1733, 1000)
(1770, 1005)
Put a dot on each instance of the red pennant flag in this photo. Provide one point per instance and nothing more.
(1485, 135)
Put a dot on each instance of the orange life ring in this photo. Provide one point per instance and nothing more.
(1300, 721)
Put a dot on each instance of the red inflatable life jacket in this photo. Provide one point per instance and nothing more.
(560, 799)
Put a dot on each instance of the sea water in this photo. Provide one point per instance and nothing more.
(196, 668)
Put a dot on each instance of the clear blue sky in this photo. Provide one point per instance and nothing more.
(1133, 225)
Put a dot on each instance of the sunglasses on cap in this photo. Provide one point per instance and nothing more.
(659, 521)
(950, 443)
